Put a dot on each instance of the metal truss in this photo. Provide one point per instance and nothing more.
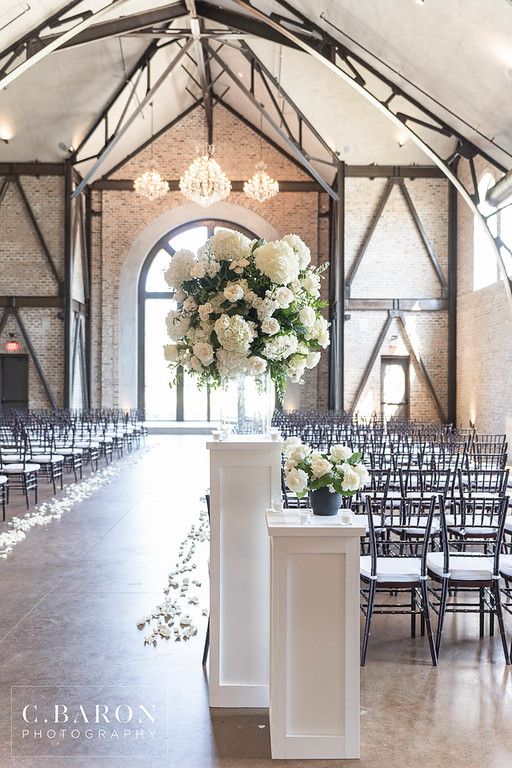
(33, 47)
(417, 121)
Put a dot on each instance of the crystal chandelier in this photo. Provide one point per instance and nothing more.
(261, 186)
(150, 184)
(204, 182)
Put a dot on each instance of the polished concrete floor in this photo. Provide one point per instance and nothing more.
(71, 595)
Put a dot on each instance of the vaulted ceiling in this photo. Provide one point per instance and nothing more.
(447, 66)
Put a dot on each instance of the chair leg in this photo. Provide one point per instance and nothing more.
(425, 615)
(499, 614)
(52, 469)
(206, 643)
(413, 614)
(442, 608)
(482, 612)
(369, 611)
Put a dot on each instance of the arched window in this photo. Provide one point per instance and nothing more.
(184, 402)
(485, 267)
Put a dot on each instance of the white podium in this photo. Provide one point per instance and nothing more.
(245, 475)
(314, 671)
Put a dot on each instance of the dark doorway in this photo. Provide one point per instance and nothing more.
(394, 387)
(13, 383)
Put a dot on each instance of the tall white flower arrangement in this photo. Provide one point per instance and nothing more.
(246, 307)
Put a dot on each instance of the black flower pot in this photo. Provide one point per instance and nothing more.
(323, 502)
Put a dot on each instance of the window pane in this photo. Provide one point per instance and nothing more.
(155, 278)
(192, 239)
(159, 398)
(195, 403)
(485, 268)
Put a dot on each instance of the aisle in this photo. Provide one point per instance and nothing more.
(70, 599)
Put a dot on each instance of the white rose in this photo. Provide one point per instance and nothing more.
(180, 296)
(233, 292)
(277, 261)
(234, 333)
(300, 248)
(266, 308)
(311, 284)
(284, 297)
(341, 452)
(296, 367)
(270, 326)
(290, 443)
(320, 467)
(256, 366)
(177, 324)
(204, 352)
(307, 316)
(213, 268)
(171, 353)
(297, 480)
(179, 269)
(363, 473)
(312, 359)
(189, 304)
(198, 269)
(205, 309)
(351, 479)
(299, 453)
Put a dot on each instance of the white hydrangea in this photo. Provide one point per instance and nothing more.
(204, 352)
(280, 347)
(226, 245)
(234, 333)
(198, 269)
(179, 269)
(229, 364)
(177, 324)
(189, 304)
(296, 367)
(265, 308)
(213, 268)
(256, 366)
(278, 261)
(270, 326)
(300, 248)
(205, 310)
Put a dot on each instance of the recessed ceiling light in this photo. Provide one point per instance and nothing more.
(240, 74)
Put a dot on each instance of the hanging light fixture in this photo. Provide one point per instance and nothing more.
(261, 186)
(204, 182)
(150, 184)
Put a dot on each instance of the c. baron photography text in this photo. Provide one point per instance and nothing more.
(78, 722)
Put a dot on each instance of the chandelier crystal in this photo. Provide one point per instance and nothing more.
(151, 185)
(261, 186)
(204, 182)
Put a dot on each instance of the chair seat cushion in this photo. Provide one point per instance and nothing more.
(70, 451)
(91, 444)
(47, 459)
(506, 566)
(508, 525)
(17, 469)
(462, 567)
(392, 569)
(12, 458)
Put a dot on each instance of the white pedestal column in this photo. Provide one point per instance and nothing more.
(245, 475)
(314, 671)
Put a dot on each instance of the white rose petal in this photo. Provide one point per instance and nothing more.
(320, 467)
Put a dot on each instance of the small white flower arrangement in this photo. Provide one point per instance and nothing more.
(246, 307)
(341, 470)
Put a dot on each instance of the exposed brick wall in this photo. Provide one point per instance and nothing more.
(25, 271)
(484, 339)
(396, 265)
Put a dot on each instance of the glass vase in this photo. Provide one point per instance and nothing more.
(247, 405)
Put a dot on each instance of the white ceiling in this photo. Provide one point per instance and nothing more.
(459, 53)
